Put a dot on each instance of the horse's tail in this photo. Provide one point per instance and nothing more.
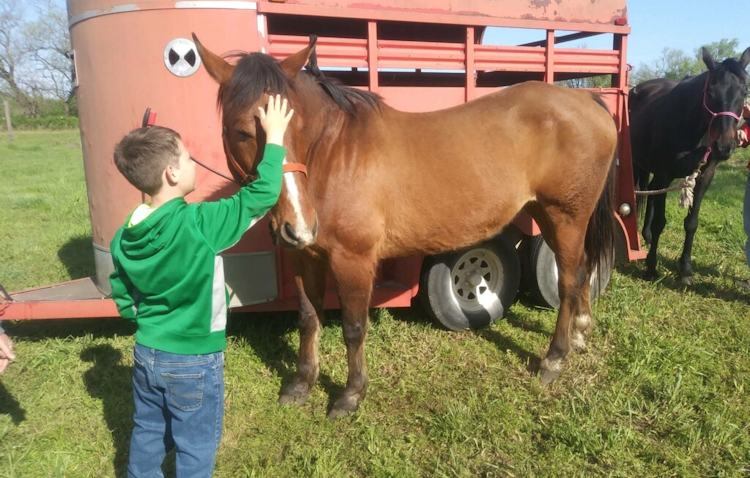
(599, 244)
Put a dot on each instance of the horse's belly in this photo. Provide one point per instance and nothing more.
(448, 228)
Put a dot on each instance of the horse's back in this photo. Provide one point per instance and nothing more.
(644, 95)
(654, 107)
(471, 168)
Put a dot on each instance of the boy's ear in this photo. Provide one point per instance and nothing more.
(171, 174)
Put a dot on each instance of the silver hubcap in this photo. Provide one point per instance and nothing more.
(476, 279)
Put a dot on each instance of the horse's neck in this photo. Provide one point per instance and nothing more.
(324, 123)
(694, 119)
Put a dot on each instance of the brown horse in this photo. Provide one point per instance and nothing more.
(384, 183)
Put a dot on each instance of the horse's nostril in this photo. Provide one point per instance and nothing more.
(289, 230)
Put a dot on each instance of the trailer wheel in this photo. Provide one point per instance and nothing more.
(472, 287)
(540, 274)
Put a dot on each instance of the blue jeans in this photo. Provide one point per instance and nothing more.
(179, 402)
(746, 219)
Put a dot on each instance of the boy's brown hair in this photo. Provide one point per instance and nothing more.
(143, 154)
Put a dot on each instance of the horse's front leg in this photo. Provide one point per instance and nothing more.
(311, 285)
(354, 274)
(691, 223)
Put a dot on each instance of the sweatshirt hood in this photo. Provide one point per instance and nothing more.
(154, 233)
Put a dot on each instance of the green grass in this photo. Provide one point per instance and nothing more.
(663, 390)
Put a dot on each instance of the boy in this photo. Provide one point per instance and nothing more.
(169, 279)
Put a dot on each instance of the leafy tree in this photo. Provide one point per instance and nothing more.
(677, 64)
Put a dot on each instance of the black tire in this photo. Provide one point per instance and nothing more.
(540, 274)
(473, 287)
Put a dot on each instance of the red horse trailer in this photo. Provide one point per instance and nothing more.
(419, 55)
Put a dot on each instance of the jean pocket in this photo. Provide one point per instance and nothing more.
(185, 390)
(140, 374)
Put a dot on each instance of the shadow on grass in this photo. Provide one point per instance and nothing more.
(111, 382)
(77, 255)
(503, 343)
(266, 335)
(10, 406)
(38, 330)
(670, 279)
(416, 315)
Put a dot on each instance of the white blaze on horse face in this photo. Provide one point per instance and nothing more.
(300, 226)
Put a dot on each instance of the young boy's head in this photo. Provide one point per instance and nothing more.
(154, 159)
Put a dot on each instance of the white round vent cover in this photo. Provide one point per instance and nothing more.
(181, 57)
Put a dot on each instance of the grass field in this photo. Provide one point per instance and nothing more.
(663, 390)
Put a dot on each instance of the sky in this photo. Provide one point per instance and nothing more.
(657, 24)
(684, 25)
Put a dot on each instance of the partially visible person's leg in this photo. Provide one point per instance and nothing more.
(746, 222)
(195, 398)
(150, 440)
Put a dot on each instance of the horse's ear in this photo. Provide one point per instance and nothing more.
(217, 67)
(707, 58)
(293, 64)
(745, 58)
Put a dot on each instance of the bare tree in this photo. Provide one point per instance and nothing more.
(48, 42)
(13, 54)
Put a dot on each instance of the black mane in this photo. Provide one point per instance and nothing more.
(730, 65)
(257, 72)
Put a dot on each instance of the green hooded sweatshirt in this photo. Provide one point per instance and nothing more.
(169, 276)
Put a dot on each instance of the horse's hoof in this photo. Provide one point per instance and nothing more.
(343, 407)
(687, 281)
(294, 395)
(549, 370)
(651, 275)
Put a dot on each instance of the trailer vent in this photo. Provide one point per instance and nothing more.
(180, 57)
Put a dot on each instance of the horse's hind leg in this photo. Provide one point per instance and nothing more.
(691, 223)
(657, 207)
(311, 286)
(648, 219)
(354, 274)
(567, 241)
(583, 323)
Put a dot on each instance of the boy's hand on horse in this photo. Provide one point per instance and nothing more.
(741, 137)
(275, 120)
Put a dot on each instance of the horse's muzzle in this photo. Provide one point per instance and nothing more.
(724, 149)
(298, 240)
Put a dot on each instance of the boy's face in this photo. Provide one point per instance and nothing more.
(186, 180)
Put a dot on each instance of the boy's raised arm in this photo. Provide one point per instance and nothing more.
(223, 222)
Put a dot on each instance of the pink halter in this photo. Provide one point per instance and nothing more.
(713, 117)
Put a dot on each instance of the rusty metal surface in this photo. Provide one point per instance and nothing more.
(579, 11)
(574, 11)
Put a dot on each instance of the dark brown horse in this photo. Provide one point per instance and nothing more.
(383, 184)
(677, 127)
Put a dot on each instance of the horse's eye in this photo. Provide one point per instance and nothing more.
(244, 135)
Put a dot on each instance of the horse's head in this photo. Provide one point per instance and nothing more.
(243, 88)
(725, 90)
